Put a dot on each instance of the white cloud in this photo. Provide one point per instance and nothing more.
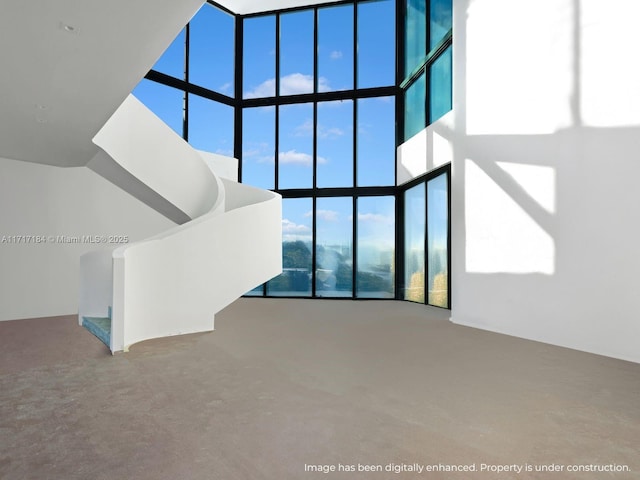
(332, 132)
(265, 89)
(326, 215)
(293, 228)
(225, 88)
(335, 55)
(306, 130)
(293, 157)
(292, 84)
(296, 158)
(374, 217)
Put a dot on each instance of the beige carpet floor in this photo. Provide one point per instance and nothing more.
(286, 387)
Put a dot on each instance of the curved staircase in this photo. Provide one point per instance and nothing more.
(227, 239)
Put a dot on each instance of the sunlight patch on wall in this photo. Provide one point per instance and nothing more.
(500, 236)
(519, 67)
(609, 76)
(538, 181)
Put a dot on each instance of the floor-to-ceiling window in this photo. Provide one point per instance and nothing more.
(426, 92)
(318, 106)
(192, 86)
(426, 232)
(306, 99)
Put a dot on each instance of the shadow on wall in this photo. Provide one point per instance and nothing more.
(544, 139)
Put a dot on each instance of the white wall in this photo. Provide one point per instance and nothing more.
(545, 141)
(42, 279)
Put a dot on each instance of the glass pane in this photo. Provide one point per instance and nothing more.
(440, 86)
(415, 35)
(211, 41)
(335, 144)
(258, 146)
(210, 125)
(376, 247)
(376, 44)
(256, 292)
(295, 156)
(295, 279)
(376, 141)
(437, 241)
(335, 48)
(334, 257)
(296, 53)
(440, 21)
(259, 61)
(414, 107)
(414, 236)
(166, 102)
(172, 60)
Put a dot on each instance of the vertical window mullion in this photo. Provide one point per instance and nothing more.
(314, 245)
(185, 101)
(354, 248)
(238, 79)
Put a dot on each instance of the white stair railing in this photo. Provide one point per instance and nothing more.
(229, 240)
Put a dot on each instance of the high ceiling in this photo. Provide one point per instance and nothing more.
(244, 7)
(66, 65)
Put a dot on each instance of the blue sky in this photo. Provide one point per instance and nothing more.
(371, 145)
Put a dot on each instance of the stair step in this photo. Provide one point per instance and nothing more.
(100, 327)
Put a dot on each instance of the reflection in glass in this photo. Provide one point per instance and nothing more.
(166, 102)
(376, 247)
(437, 241)
(335, 48)
(376, 44)
(376, 141)
(440, 21)
(414, 107)
(415, 35)
(172, 60)
(295, 279)
(211, 45)
(440, 86)
(210, 125)
(259, 61)
(296, 53)
(295, 156)
(414, 241)
(334, 257)
(256, 292)
(258, 146)
(334, 134)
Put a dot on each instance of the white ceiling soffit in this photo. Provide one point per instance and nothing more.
(66, 66)
(245, 7)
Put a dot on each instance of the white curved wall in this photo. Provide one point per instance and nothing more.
(151, 152)
(175, 282)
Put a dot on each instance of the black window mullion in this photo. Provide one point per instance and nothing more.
(315, 50)
(426, 242)
(400, 250)
(354, 248)
(185, 108)
(355, 45)
(278, 21)
(314, 246)
(237, 104)
(276, 153)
